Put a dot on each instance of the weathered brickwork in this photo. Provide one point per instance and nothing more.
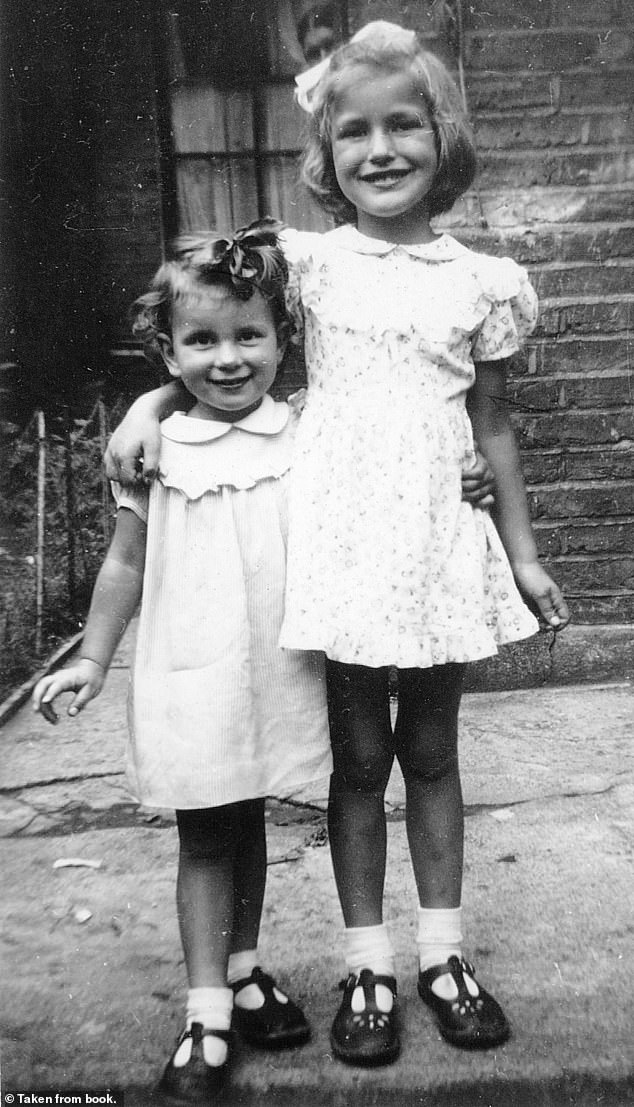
(549, 85)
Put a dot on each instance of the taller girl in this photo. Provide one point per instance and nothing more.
(407, 337)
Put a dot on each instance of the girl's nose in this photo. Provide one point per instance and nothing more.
(227, 355)
(380, 145)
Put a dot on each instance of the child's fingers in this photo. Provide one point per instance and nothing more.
(41, 692)
(562, 610)
(553, 607)
(150, 461)
(122, 469)
(49, 714)
(50, 687)
(84, 696)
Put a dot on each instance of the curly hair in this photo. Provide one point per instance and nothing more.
(250, 260)
(392, 49)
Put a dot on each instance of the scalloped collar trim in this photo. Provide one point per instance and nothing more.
(443, 248)
(269, 418)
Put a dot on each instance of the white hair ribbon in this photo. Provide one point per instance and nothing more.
(306, 82)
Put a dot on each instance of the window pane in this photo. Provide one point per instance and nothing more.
(209, 119)
(217, 194)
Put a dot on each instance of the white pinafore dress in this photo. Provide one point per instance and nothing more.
(218, 712)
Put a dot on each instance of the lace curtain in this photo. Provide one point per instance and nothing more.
(236, 130)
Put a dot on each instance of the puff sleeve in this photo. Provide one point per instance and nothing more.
(135, 497)
(512, 311)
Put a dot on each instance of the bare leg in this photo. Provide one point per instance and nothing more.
(426, 740)
(361, 735)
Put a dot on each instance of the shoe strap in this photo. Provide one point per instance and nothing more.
(197, 1032)
(264, 982)
(368, 980)
(455, 967)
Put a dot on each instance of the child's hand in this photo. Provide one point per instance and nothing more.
(134, 449)
(541, 591)
(478, 482)
(86, 678)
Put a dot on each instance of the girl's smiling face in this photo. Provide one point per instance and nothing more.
(384, 152)
(225, 350)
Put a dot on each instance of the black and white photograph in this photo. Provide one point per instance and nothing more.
(317, 553)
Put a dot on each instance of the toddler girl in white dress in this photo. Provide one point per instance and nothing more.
(220, 716)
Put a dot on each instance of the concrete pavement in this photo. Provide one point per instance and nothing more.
(93, 976)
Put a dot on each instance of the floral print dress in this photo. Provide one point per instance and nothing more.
(386, 564)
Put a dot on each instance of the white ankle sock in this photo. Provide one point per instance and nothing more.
(212, 1008)
(369, 947)
(439, 937)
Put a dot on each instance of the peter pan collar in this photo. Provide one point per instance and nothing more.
(443, 248)
(269, 418)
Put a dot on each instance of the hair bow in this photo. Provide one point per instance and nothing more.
(385, 33)
(306, 83)
(252, 253)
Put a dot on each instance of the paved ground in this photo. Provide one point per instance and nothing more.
(93, 978)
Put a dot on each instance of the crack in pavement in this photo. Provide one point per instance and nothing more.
(80, 817)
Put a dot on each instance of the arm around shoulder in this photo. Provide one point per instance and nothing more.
(134, 449)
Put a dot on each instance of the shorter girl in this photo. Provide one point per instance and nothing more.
(220, 717)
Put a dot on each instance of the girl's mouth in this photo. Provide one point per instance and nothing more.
(232, 384)
(386, 177)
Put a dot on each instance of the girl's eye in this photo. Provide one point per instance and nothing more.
(405, 124)
(350, 131)
(249, 336)
(201, 338)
